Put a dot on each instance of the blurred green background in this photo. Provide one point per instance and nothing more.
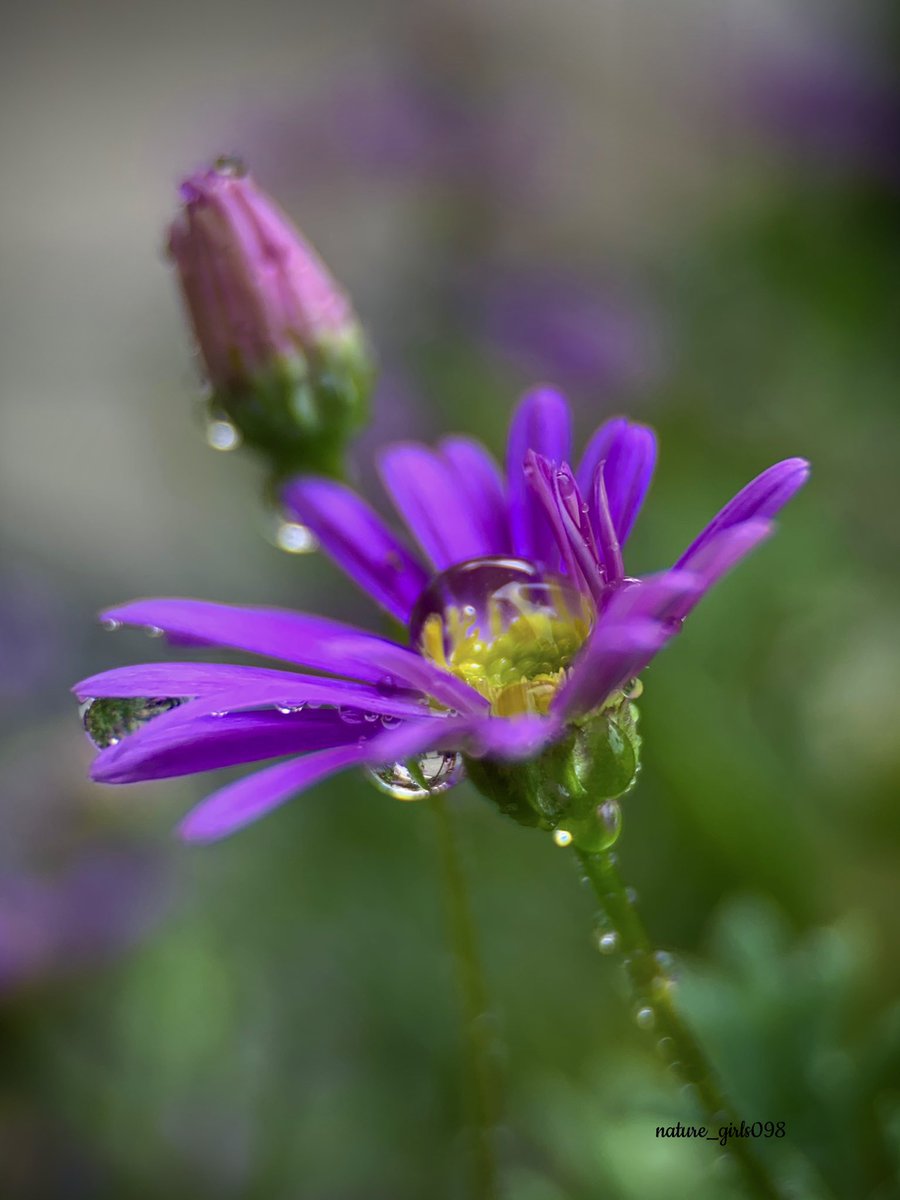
(685, 212)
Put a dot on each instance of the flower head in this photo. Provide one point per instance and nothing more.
(525, 634)
(282, 349)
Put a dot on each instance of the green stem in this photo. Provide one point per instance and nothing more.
(482, 1090)
(653, 991)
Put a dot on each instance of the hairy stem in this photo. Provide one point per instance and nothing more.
(653, 991)
(481, 1082)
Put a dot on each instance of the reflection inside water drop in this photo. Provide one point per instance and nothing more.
(294, 538)
(222, 435)
(107, 720)
(438, 772)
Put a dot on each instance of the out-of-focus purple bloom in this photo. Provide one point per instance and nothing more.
(582, 337)
(72, 894)
(55, 922)
(399, 123)
(31, 641)
(831, 105)
(520, 618)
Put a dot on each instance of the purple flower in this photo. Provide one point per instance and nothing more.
(521, 621)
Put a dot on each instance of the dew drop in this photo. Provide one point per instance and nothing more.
(230, 165)
(108, 719)
(562, 837)
(608, 942)
(389, 721)
(294, 538)
(222, 435)
(351, 716)
(153, 631)
(438, 771)
(111, 624)
(632, 895)
(645, 1017)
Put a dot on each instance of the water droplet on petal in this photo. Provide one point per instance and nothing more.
(153, 631)
(222, 435)
(562, 837)
(108, 719)
(438, 771)
(389, 721)
(608, 942)
(111, 624)
(351, 716)
(294, 538)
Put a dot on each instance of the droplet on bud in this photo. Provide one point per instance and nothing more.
(562, 837)
(608, 942)
(230, 165)
(431, 774)
(645, 1017)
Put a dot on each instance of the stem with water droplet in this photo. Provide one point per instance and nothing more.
(653, 990)
(481, 1077)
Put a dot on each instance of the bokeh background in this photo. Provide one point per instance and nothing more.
(685, 212)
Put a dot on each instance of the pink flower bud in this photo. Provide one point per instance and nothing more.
(282, 348)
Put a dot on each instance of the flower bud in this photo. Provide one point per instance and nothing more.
(285, 356)
(572, 783)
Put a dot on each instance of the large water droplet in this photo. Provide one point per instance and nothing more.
(109, 719)
(437, 771)
(485, 595)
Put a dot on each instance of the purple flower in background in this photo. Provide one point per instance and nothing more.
(522, 623)
(831, 104)
(551, 326)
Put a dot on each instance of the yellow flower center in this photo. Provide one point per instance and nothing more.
(505, 630)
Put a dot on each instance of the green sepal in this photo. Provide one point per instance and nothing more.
(569, 784)
(300, 414)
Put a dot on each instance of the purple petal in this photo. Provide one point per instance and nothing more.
(360, 543)
(251, 686)
(478, 477)
(719, 554)
(309, 641)
(399, 665)
(629, 454)
(614, 654)
(597, 451)
(566, 515)
(238, 804)
(427, 495)
(478, 736)
(541, 423)
(206, 743)
(763, 497)
(659, 597)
